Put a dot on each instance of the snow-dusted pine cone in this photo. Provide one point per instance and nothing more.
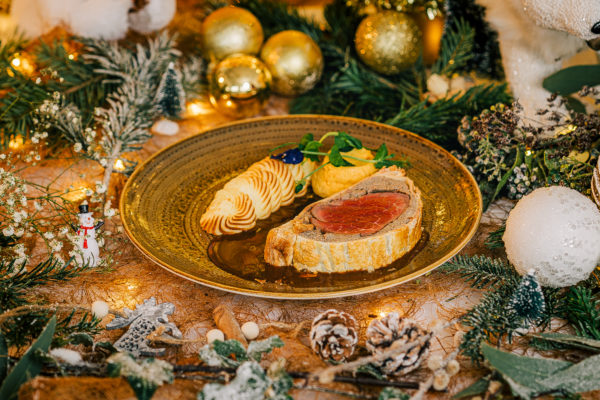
(596, 184)
(333, 335)
(392, 330)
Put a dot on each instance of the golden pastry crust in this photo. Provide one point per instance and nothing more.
(255, 194)
(362, 253)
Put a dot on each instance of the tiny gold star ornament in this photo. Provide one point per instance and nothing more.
(295, 61)
(388, 41)
(230, 30)
(239, 86)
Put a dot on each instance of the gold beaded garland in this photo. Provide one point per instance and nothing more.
(230, 30)
(239, 86)
(295, 61)
(388, 41)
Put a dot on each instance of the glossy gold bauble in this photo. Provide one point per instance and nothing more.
(388, 41)
(295, 61)
(239, 86)
(230, 30)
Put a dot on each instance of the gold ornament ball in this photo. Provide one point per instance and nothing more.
(230, 30)
(239, 86)
(388, 41)
(295, 61)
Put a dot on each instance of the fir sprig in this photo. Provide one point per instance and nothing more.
(16, 281)
(582, 310)
(483, 272)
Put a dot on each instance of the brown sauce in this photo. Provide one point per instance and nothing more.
(243, 254)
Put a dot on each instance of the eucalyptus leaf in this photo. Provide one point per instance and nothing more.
(572, 79)
(257, 348)
(230, 349)
(578, 342)
(391, 393)
(370, 369)
(525, 375)
(28, 366)
(81, 338)
(477, 388)
(581, 377)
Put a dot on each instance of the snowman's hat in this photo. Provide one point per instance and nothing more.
(83, 209)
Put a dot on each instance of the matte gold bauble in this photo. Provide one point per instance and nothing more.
(295, 61)
(388, 41)
(230, 30)
(239, 86)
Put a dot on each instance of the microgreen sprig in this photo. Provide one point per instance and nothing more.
(309, 147)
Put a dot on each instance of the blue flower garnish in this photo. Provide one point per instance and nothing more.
(291, 156)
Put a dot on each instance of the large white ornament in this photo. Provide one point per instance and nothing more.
(554, 231)
(536, 37)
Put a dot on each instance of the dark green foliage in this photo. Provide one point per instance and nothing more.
(477, 388)
(482, 272)
(552, 341)
(582, 310)
(439, 120)
(527, 302)
(486, 58)
(28, 366)
(16, 280)
(494, 239)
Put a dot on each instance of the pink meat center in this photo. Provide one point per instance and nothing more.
(364, 215)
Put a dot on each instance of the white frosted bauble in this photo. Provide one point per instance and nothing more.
(154, 16)
(250, 330)
(214, 334)
(165, 127)
(554, 231)
(100, 309)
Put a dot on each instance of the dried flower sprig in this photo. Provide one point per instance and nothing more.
(510, 157)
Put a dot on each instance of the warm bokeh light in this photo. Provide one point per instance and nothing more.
(22, 64)
(119, 165)
(195, 108)
(76, 195)
(16, 143)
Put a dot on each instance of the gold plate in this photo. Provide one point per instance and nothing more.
(162, 202)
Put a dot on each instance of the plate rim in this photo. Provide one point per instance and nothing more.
(301, 296)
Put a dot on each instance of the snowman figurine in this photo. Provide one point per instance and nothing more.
(88, 254)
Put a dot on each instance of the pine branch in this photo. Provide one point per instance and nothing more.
(456, 49)
(16, 281)
(439, 120)
(494, 239)
(582, 310)
(483, 272)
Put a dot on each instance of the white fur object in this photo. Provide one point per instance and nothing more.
(535, 37)
(100, 309)
(165, 127)
(555, 232)
(156, 15)
(97, 19)
(67, 356)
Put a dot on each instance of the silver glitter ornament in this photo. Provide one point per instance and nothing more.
(145, 319)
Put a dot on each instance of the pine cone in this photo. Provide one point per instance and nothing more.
(333, 335)
(392, 330)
